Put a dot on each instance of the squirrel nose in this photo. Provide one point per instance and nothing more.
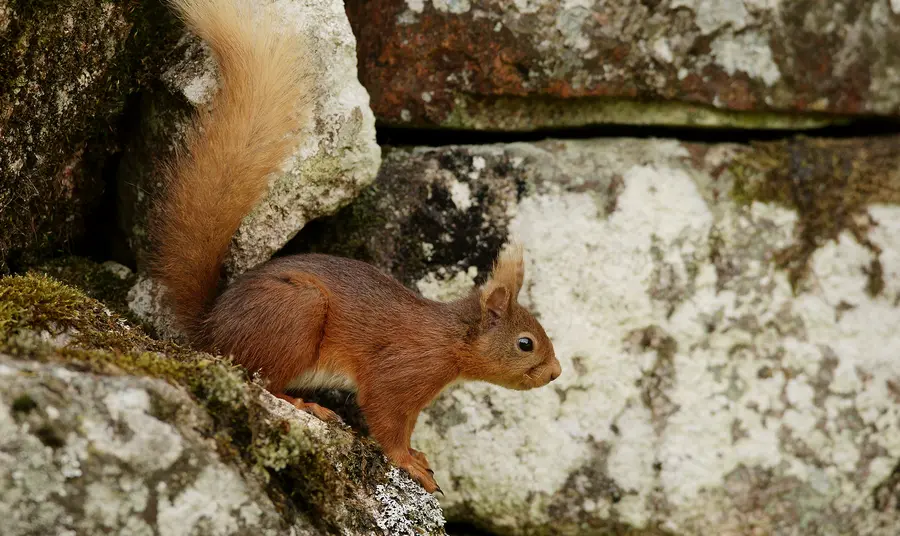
(556, 371)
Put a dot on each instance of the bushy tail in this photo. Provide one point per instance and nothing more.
(230, 151)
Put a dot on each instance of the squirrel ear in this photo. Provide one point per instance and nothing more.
(494, 301)
(509, 269)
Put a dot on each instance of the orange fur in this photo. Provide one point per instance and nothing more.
(304, 317)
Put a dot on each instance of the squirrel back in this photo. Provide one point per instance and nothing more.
(230, 151)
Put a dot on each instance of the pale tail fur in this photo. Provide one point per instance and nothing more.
(230, 152)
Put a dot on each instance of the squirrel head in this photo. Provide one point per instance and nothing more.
(511, 348)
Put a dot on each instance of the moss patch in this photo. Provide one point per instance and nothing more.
(108, 284)
(322, 470)
(830, 183)
(511, 113)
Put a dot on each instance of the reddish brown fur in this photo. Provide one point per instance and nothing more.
(317, 312)
(314, 312)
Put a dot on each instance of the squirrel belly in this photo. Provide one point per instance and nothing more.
(312, 319)
(322, 379)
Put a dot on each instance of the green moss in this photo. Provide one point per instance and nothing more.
(324, 474)
(37, 301)
(830, 183)
(533, 112)
(107, 284)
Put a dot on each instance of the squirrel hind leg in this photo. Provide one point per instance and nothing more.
(271, 325)
(323, 413)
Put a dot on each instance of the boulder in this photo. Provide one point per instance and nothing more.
(103, 429)
(725, 316)
(66, 70)
(524, 65)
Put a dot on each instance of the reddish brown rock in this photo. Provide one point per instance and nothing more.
(527, 64)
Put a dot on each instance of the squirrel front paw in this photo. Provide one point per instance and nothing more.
(424, 478)
(421, 461)
(417, 467)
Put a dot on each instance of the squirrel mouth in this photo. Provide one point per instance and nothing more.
(532, 377)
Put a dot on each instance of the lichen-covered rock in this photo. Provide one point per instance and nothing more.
(106, 430)
(129, 449)
(725, 316)
(527, 64)
(337, 155)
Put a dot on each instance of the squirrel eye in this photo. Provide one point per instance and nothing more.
(525, 344)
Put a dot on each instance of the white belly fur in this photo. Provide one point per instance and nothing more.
(323, 379)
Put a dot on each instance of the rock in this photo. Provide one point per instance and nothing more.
(523, 65)
(124, 445)
(725, 316)
(337, 157)
(66, 69)
(106, 430)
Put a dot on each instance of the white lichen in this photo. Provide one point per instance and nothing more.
(712, 15)
(461, 195)
(452, 6)
(440, 287)
(748, 52)
(760, 379)
(404, 510)
(130, 409)
(217, 501)
(662, 51)
(416, 6)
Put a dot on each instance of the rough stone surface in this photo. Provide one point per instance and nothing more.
(107, 431)
(66, 69)
(524, 64)
(725, 316)
(336, 154)
(92, 454)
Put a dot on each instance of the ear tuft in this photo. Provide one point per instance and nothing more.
(509, 269)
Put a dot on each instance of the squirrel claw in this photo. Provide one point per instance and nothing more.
(421, 461)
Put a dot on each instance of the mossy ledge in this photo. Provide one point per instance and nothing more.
(340, 481)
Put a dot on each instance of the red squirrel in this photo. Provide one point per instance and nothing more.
(310, 320)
